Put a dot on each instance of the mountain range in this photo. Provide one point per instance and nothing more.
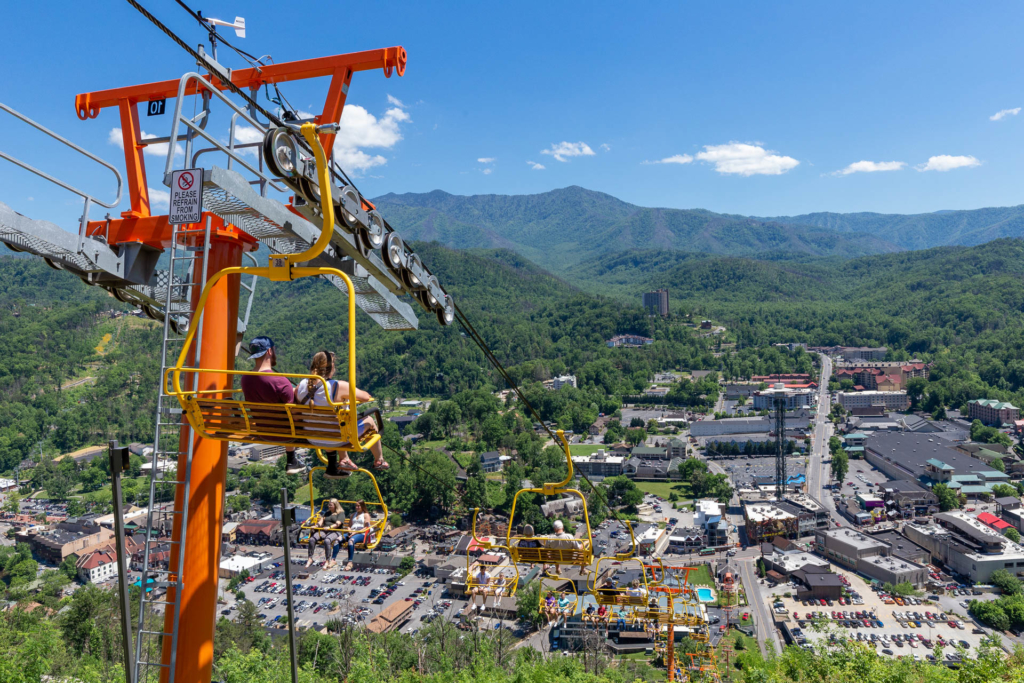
(572, 225)
(569, 225)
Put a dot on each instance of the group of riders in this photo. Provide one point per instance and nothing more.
(269, 387)
(332, 533)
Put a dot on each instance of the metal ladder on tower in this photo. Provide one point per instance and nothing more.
(161, 586)
(188, 247)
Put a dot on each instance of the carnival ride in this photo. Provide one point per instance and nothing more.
(325, 230)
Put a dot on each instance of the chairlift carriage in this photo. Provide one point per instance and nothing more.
(378, 527)
(549, 551)
(620, 596)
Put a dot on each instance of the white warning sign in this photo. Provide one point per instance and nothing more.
(186, 196)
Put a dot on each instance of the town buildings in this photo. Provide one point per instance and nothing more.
(890, 400)
(765, 521)
(656, 302)
(928, 459)
(869, 555)
(967, 546)
(765, 399)
(709, 517)
(563, 381)
(600, 464)
(992, 412)
(629, 340)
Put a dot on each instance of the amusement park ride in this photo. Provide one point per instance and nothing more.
(190, 275)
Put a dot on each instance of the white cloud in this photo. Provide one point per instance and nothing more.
(488, 171)
(535, 166)
(674, 159)
(870, 167)
(486, 160)
(361, 129)
(945, 162)
(159, 197)
(746, 159)
(1003, 113)
(158, 150)
(394, 101)
(569, 149)
(606, 147)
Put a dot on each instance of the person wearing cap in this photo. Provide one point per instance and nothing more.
(268, 387)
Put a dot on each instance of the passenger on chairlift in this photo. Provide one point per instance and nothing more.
(528, 539)
(323, 365)
(269, 389)
(481, 587)
(334, 519)
(361, 532)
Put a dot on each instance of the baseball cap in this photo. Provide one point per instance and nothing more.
(259, 346)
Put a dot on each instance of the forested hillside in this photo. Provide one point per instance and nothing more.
(52, 331)
(923, 230)
(962, 307)
(526, 316)
(565, 226)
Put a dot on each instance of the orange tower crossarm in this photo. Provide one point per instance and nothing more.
(339, 67)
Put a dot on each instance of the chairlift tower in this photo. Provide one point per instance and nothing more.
(123, 253)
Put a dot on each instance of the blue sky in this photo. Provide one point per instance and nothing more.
(748, 108)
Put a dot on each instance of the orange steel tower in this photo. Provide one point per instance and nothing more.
(141, 229)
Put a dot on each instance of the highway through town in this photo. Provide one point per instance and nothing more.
(818, 475)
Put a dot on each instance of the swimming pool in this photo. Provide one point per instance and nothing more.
(704, 594)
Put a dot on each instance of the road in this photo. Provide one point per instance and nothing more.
(765, 624)
(818, 475)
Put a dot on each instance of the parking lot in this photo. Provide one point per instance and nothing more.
(352, 595)
(905, 630)
(743, 470)
(862, 478)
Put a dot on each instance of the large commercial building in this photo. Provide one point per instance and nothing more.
(869, 555)
(599, 464)
(890, 400)
(993, 412)
(656, 302)
(765, 521)
(794, 398)
(850, 353)
(928, 459)
(966, 546)
(799, 420)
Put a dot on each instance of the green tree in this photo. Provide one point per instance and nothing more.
(528, 605)
(916, 387)
(688, 467)
(1006, 582)
(1012, 534)
(622, 491)
(1004, 490)
(840, 465)
(948, 499)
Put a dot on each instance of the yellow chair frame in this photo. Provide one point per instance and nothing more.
(508, 585)
(214, 414)
(582, 556)
(377, 528)
(620, 596)
(541, 596)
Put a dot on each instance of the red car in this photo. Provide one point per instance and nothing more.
(822, 602)
(952, 624)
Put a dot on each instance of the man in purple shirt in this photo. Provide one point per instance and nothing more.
(269, 389)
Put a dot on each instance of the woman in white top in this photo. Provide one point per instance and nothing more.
(361, 531)
(323, 365)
